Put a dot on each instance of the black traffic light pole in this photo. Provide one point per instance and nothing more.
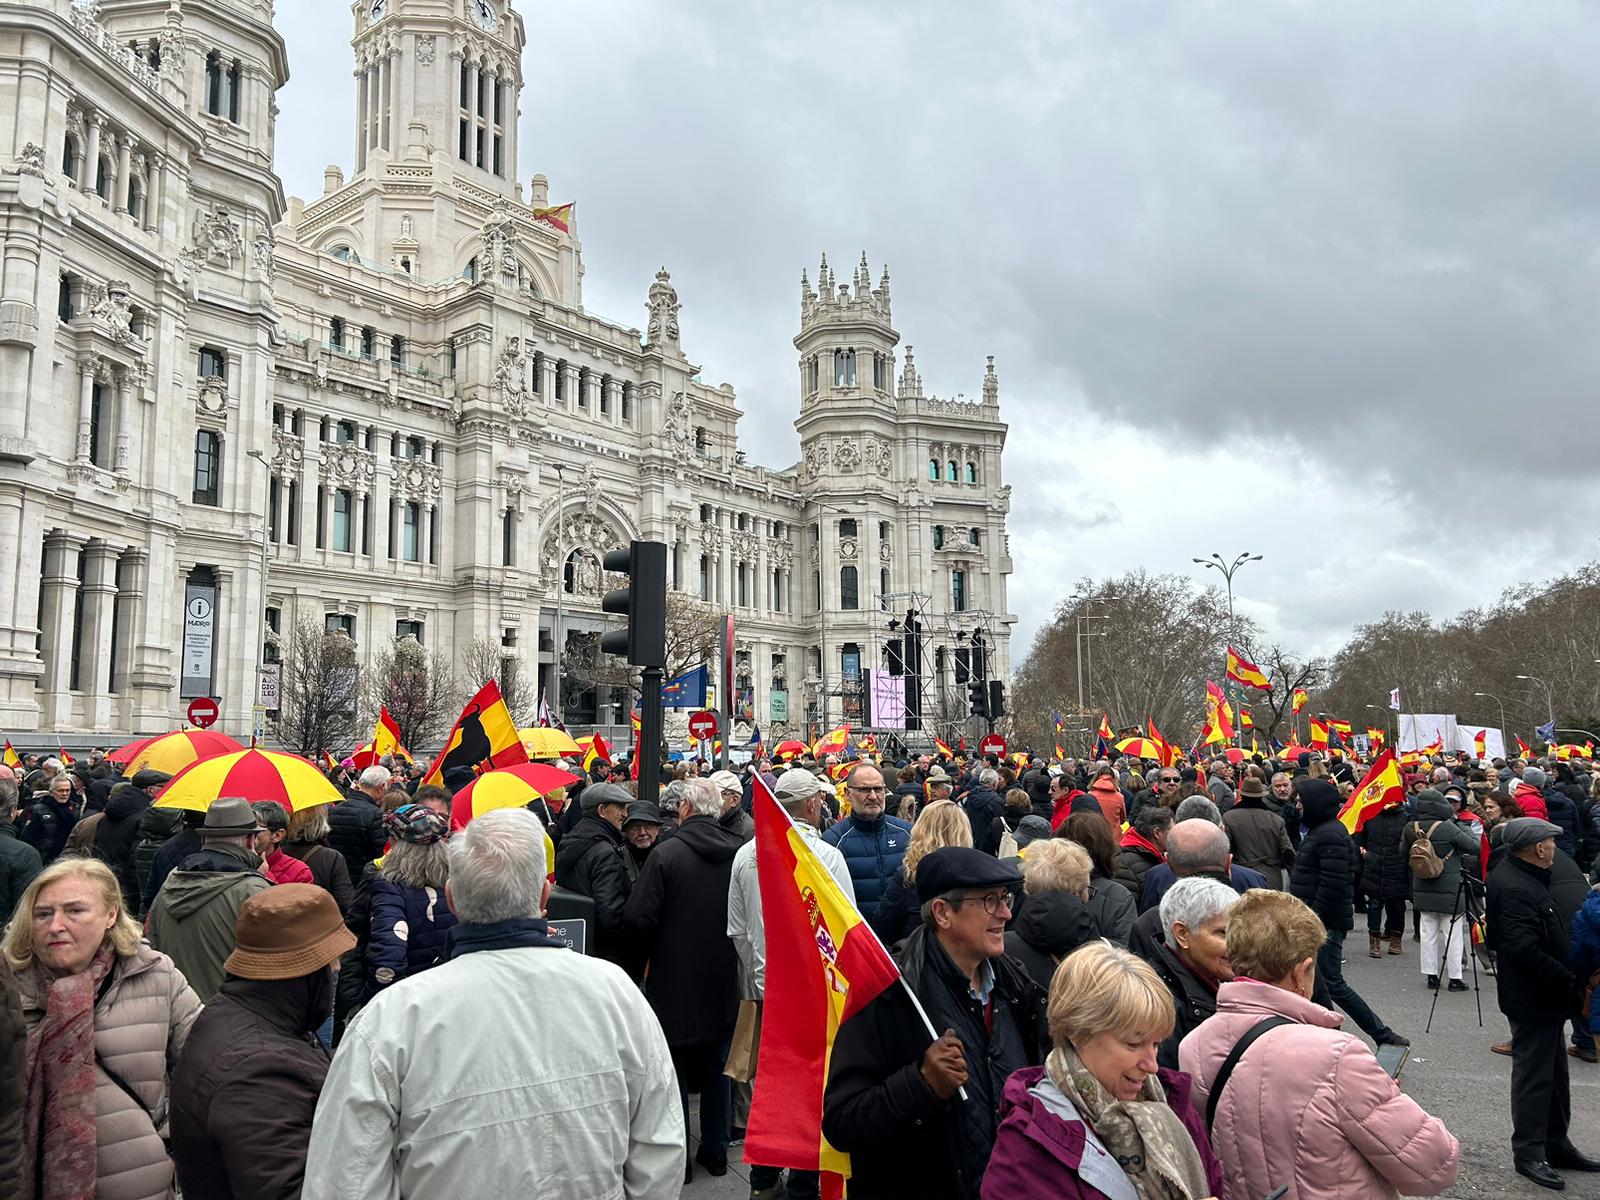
(644, 643)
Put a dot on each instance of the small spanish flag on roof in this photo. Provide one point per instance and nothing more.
(561, 216)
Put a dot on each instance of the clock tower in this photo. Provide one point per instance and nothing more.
(439, 77)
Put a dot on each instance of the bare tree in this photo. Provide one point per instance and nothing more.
(694, 636)
(483, 659)
(318, 692)
(419, 690)
(1286, 672)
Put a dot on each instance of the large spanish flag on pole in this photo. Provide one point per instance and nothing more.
(484, 737)
(824, 964)
(1382, 787)
(1243, 671)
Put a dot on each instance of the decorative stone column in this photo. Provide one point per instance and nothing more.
(569, 386)
(91, 152)
(119, 188)
(60, 585)
(88, 364)
(94, 646)
(119, 461)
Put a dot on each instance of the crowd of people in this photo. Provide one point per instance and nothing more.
(335, 1001)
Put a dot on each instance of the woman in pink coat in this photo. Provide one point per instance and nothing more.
(1307, 1105)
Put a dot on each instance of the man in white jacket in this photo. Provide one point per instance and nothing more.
(800, 793)
(518, 1068)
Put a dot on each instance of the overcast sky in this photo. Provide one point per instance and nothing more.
(1316, 281)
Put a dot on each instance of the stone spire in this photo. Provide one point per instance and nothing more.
(991, 384)
(910, 381)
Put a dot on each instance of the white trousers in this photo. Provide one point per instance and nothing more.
(1441, 939)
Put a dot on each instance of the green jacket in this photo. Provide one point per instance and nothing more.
(193, 916)
(1460, 842)
(19, 863)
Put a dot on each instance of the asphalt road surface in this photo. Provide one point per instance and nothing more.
(1451, 1073)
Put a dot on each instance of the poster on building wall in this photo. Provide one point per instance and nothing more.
(199, 635)
(271, 679)
(779, 703)
(888, 700)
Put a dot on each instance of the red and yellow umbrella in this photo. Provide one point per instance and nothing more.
(542, 742)
(172, 752)
(1140, 748)
(253, 774)
(789, 749)
(507, 787)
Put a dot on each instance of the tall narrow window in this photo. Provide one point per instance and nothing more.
(397, 350)
(627, 403)
(849, 592)
(214, 84)
(64, 299)
(293, 536)
(743, 582)
(234, 89)
(705, 577)
(207, 467)
(274, 505)
(411, 532)
(322, 517)
(950, 471)
(977, 536)
(933, 469)
(336, 332)
(98, 441)
(69, 158)
(508, 526)
(938, 537)
(883, 589)
(343, 511)
(369, 341)
(972, 472)
(958, 591)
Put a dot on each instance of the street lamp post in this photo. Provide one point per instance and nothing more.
(261, 639)
(1387, 713)
(1549, 699)
(1085, 654)
(1491, 696)
(1217, 563)
(559, 633)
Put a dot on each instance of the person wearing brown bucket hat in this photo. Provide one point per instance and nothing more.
(246, 1086)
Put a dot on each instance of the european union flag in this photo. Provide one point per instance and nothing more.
(687, 690)
(1547, 733)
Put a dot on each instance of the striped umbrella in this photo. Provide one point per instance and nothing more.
(1140, 748)
(789, 749)
(507, 787)
(253, 774)
(172, 752)
(542, 742)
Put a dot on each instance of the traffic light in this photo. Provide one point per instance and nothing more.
(997, 699)
(644, 601)
(978, 698)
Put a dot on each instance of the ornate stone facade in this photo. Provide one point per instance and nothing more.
(393, 399)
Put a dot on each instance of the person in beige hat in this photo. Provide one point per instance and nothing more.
(192, 919)
(246, 1086)
(734, 816)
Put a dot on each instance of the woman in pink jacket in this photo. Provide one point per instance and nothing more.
(1306, 1105)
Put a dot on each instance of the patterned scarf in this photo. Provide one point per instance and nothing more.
(1144, 1135)
(58, 1145)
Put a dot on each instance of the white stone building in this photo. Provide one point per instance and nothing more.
(388, 407)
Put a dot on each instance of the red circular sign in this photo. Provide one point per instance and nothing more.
(992, 744)
(203, 712)
(703, 725)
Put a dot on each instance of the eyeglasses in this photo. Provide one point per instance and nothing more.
(991, 901)
(867, 791)
(1170, 779)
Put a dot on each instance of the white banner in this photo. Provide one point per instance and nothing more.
(199, 627)
(1418, 730)
(271, 677)
(1494, 742)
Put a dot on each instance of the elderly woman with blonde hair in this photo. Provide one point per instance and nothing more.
(106, 1019)
(1309, 1107)
(942, 823)
(1100, 1119)
(1053, 918)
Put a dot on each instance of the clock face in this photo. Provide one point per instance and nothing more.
(483, 14)
(378, 11)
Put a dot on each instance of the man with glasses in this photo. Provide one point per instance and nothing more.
(872, 842)
(894, 1099)
(1162, 790)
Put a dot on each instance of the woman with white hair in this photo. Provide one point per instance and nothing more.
(1053, 918)
(411, 922)
(1101, 1118)
(1192, 958)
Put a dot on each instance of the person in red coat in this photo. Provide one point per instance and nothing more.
(1100, 1119)
(275, 864)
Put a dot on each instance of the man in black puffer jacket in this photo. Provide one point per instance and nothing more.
(355, 824)
(592, 860)
(982, 805)
(1385, 878)
(1324, 877)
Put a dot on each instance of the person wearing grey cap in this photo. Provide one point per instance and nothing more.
(734, 816)
(592, 860)
(1537, 993)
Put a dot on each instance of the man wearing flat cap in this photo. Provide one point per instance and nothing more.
(593, 860)
(918, 1115)
(1537, 994)
(192, 919)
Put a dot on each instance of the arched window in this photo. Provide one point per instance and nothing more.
(933, 469)
(69, 158)
(102, 178)
(569, 575)
(977, 536)
(344, 254)
(135, 200)
(471, 273)
(950, 473)
(972, 472)
(849, 590)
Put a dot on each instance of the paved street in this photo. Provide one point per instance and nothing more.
(1451, 1072)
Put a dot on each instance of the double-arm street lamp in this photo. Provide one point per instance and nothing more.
(1549, 698)
(1504, 740)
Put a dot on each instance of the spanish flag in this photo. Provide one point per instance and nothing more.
(1244, 672)
(1319, 735)
(1480, 743)
(65, 759)
(943, 749)
(1300, 698)
(10, 758)
(1436, 746)
(1342, 728)
(836, 742)
(1382, 787)
(1169, 753)
(484, 737)
(1246, 721)
(595, 749)
(824, 964)
(328, 763)
(1219, 715)
(1376, 736)
(385, 741)
(561, 216)
(1522, 749)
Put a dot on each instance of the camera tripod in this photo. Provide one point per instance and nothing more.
(1461, 909)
